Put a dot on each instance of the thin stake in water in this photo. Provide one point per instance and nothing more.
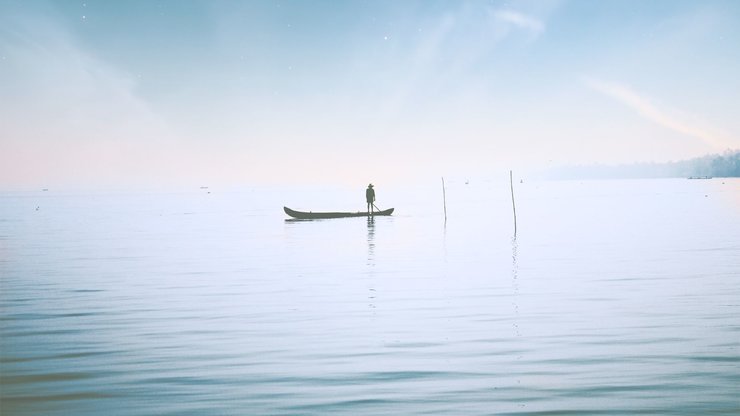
(444, 199)
(513, 205)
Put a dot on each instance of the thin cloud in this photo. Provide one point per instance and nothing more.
(70, 116)
(670, 119)
(521, 20)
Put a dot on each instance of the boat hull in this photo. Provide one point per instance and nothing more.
(324, 215)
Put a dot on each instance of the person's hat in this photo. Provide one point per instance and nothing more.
(370, 186)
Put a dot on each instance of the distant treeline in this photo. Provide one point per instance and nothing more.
(722, 165)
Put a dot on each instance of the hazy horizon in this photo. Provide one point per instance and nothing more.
(97, 93)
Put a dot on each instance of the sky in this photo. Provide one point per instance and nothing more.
(108, 93)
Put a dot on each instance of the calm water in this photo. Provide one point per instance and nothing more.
(616, 297)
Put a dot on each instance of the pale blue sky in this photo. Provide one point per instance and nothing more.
(131, 92)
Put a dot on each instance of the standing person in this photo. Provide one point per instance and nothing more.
(370, 197)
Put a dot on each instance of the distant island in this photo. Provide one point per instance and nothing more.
(724, 165)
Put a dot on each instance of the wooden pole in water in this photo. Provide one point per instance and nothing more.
(513, 205)
(444, 198)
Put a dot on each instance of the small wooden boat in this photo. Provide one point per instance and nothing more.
(321, 215)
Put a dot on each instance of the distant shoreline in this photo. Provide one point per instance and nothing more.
(725, 165)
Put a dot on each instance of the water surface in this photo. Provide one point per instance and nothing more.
(615, 297)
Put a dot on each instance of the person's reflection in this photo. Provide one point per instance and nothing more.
(371, 260)
(370, 240)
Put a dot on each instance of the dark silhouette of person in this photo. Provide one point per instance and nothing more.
(370, 197)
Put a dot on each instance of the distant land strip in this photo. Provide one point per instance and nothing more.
(724, 165)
